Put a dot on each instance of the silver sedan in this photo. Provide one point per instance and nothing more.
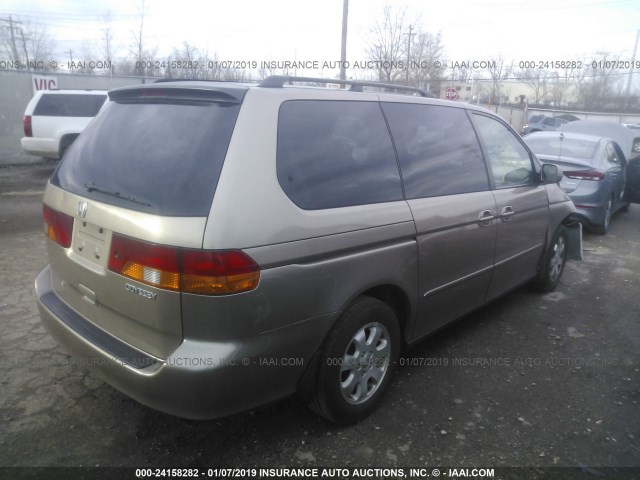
(594, 173)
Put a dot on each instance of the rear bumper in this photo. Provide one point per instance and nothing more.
(43, 147)
(590, 202)
(590, 215)
(199, 380)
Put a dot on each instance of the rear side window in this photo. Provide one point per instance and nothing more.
(335, 154)
(71, 105)
(162, 158)
(438, 150)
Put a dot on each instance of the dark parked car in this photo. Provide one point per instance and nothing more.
(594, 173)
(541, 123)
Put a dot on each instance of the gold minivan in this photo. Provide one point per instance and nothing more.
(215, 246)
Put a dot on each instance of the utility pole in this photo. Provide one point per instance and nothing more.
(409, 51)
(13, 37)
(24, 45)
(633, 59)
(343, 49)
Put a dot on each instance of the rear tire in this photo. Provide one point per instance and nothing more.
(553, 262)
(357, 362)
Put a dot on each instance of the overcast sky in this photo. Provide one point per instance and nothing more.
(310, 30)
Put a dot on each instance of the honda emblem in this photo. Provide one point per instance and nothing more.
(82, 209)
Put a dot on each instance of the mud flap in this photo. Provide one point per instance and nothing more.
(574, 240)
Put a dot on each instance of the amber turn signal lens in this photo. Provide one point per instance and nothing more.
(203, 272)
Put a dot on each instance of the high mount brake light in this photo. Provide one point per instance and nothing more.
(58, 226)
(204, 272)
(153, 93)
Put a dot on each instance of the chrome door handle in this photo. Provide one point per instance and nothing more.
(485, 217)
(506, 213)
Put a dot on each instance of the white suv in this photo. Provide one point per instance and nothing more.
(54, 118)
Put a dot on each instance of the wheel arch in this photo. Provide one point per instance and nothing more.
(391, 295)
(396, 299)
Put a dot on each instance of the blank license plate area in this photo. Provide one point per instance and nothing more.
(91, 243)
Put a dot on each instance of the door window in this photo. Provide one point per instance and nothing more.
(509, 160)
(612, 155)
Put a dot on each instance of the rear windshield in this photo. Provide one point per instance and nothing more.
(69, 105)
(556, 146)
(161, 158)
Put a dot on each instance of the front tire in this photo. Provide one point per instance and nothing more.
(553, 262)
(357, 362)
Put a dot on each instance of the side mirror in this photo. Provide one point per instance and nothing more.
(550, 173)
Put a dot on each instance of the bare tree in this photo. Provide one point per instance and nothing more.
(9, 38)
(498, 70)
(560, 81)
(186, 63)
(82, 62)
(595, 85)
(26, 42)
(141, 52)
(401, 48)
(461, 74)
(214, 69)
(387, 44)
(537, 79)
(425, 53)
(106, 48)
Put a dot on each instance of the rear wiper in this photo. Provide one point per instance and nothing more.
(92, 187)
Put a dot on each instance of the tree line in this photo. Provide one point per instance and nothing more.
(400, 50)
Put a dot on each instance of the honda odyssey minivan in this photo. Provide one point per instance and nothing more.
(215, 246)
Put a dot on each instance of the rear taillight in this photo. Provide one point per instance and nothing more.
(592, 174)
(26, 123)
(57, 226)
(202, 272)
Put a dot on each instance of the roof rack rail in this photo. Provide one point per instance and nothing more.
(278, 81)
(167, 80)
